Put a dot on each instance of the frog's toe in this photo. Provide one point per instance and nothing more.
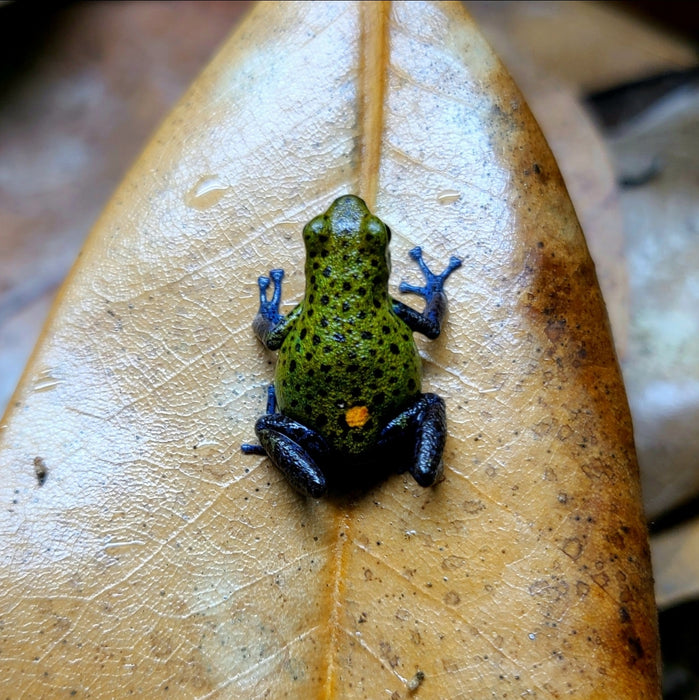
(249, 449)
(454, 264)
(277, 275)
(406, 288)
(416, 253)
(263, 284)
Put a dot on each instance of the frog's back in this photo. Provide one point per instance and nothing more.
(348, 364)
(350, 380)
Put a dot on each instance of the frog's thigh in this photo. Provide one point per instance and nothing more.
(289, 445)
(425, 422)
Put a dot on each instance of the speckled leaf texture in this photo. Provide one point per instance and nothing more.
(143, 555)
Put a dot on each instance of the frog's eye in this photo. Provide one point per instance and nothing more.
(313, 229)
(376, 232)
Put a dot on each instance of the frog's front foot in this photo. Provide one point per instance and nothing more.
(434, 284)
(429, 322)
(269, 324)
(269, 308)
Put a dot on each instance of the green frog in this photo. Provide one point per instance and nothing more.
(347, 385)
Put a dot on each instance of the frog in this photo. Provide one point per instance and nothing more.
(347, 388)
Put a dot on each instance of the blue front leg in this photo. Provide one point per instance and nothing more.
(429, 322)
(268, 317)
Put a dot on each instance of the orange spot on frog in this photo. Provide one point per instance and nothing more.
(357, 416)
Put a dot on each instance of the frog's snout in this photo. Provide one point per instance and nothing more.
(347, 212)
(349, 203)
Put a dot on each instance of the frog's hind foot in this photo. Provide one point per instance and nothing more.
(291, 446)
(431, 436)
(424, 423)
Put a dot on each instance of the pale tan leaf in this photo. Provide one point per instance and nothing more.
(141, 551)
(661, 368)
(676, 561)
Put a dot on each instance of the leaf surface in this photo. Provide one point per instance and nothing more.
(141, 551)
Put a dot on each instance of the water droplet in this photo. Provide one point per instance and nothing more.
(448, 196)
(116, 548)
(206, 193)
(208, 448)
(46, 380)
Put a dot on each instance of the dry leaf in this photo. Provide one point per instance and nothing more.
(656, 152)
(141, 551)
(676, 557)
(587, 46)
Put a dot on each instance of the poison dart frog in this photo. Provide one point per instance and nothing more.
(347, 385)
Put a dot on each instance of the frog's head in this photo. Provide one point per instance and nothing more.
(350, 231)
